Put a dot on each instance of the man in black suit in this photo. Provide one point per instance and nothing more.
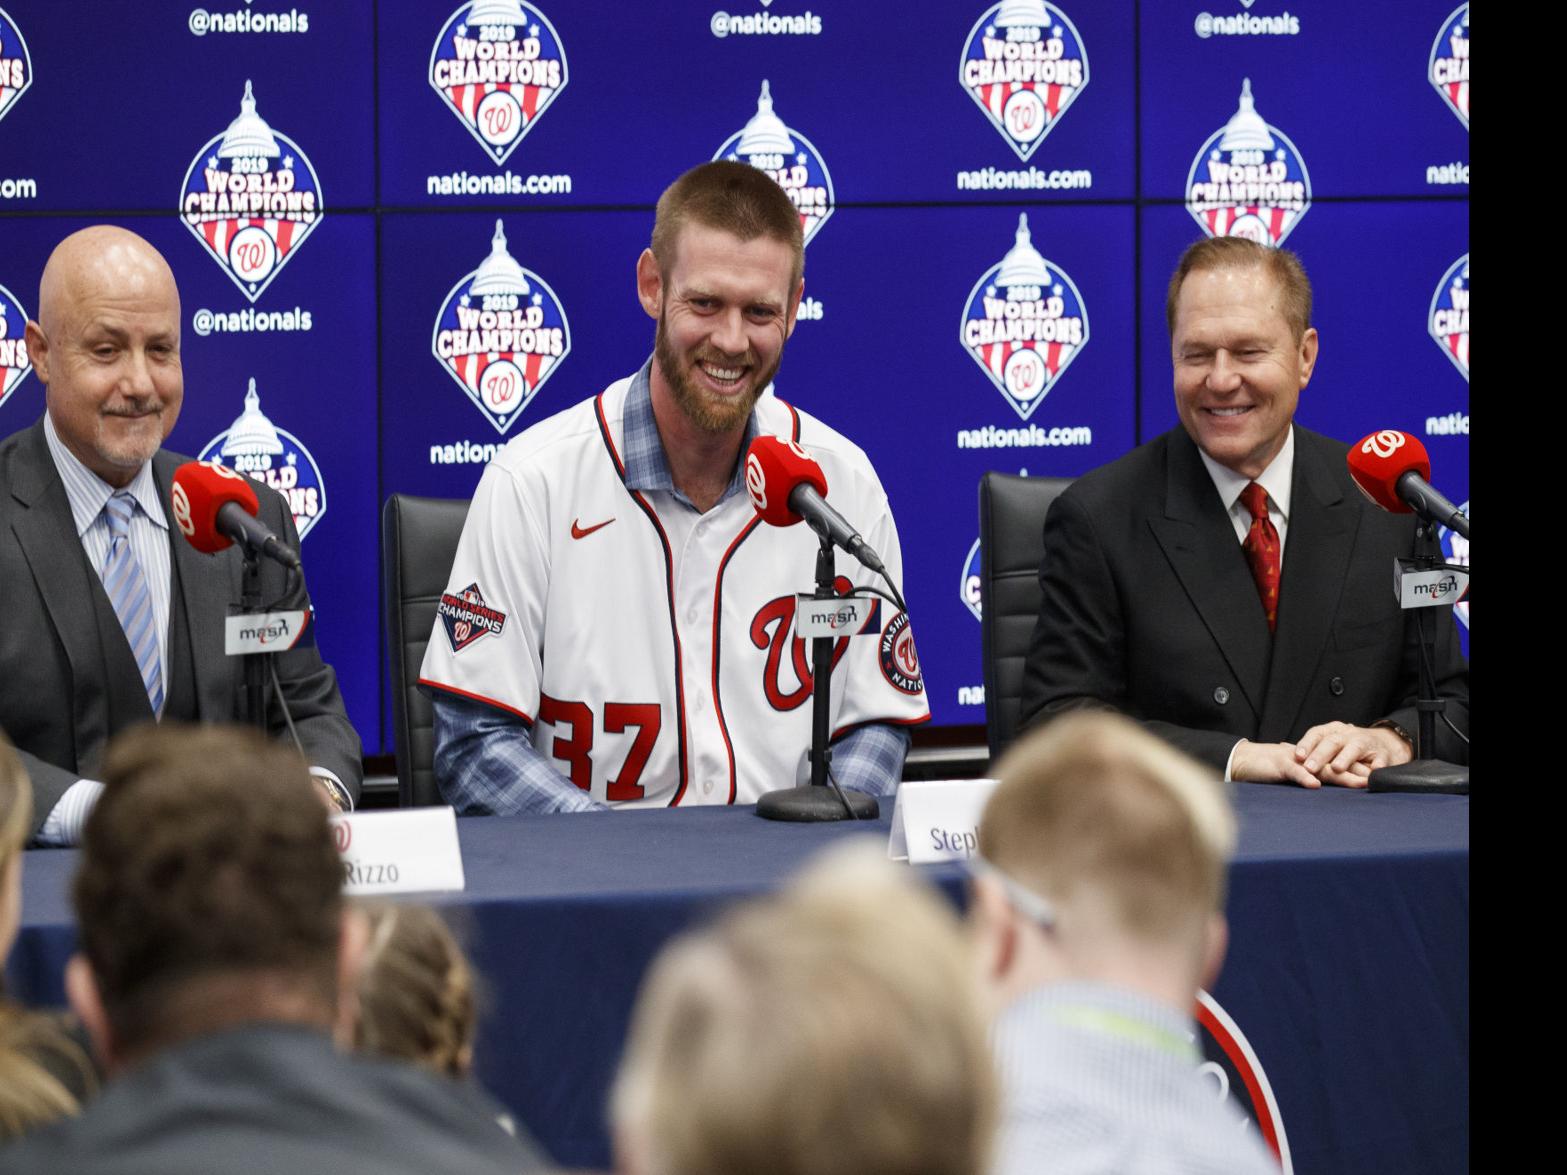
(1225, 583)
(75, 579)
(218, 963)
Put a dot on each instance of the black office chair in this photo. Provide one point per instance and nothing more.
(418, 544)
(1011, 543)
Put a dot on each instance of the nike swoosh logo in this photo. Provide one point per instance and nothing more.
(578, 531)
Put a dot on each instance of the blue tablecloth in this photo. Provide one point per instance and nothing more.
(1348, 968)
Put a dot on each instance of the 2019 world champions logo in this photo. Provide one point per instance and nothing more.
(1448, 318)
(14, 363)
(765, 142)
(1448, 69)
(1248, 180)
(498, 65)
(16, 64)
(968, 585)
(256, 447)
(501, 333)
(1024, 65)
(251, 197)
(1024, 323)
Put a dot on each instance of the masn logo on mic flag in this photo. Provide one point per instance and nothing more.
(251, 197)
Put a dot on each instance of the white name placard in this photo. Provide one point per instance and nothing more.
(414, 850)
(844, 616)
(938, 820)
(263, 632)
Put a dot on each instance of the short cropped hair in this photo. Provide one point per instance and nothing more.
(833, 1029)
(209, 855)
(735, 197)
(1094, 804)
(416, 990)
(1284, 266)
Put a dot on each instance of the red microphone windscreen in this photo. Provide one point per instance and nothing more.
(1378, 461)
(773, 467)
(201, 489)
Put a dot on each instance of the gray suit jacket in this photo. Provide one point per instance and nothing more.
(272, 1099)
(67, 680)
(1149, 608)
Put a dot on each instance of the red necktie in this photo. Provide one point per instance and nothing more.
(1262, 550)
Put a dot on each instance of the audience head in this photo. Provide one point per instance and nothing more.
(1104, 852)
(832, 1029)
(16, 818)
(416, 990)
(35, 1051)
(209, 894)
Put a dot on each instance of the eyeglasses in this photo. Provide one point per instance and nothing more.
(1022, 899)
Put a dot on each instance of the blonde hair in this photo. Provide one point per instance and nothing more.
(30, 1094)
(830, 1030)
(1094, 803)
(416, 990)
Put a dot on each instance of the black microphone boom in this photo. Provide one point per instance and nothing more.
(1425, 500)
(832, 526)
(251, 533)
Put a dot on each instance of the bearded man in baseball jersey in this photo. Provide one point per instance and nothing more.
(619, 624)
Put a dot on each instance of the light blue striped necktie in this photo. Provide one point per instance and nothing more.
(126, 584)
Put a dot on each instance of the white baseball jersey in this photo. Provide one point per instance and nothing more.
(652, 647)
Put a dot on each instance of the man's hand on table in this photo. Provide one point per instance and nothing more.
(1334, 752)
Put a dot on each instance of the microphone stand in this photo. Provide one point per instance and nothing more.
(821, 799)
(255, 678)
(1423, 774)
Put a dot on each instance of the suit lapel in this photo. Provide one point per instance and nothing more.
(1199, 541)
(206, 591)
(1317, 553)
(46, 533)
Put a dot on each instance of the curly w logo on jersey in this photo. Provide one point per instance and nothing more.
(1448, 69)
(16, 65)
(501, 334)
(1024, 65)
(498, 64)
(1248, 180)
(1448, 318)
(14, 363)
(255, 446)
(788, 156)
(1024, 323)
(251, 197)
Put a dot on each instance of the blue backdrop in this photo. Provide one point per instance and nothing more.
(323, 176)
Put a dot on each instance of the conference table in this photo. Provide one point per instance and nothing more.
(1346, 983)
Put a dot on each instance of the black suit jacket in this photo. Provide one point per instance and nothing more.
(67, 680)
(1149, 608)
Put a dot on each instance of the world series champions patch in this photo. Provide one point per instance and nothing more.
(467, 617)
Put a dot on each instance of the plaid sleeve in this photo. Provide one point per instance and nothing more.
(486, 764)
(869, 758)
